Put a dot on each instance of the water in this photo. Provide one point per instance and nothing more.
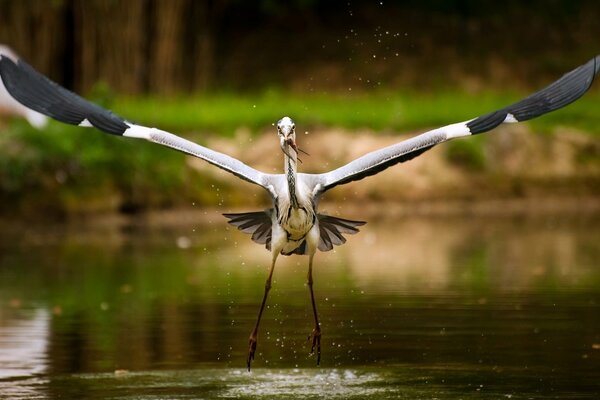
(446, 308)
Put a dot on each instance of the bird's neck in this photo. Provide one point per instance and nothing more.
(291, 173)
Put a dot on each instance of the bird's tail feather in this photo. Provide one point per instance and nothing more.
(259, 225)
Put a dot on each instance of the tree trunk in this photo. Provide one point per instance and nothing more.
(166, 56)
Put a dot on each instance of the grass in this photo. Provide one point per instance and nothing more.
(69, 168)
(224, 113)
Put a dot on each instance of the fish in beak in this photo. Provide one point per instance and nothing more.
(286, 143)
(287, 137)
(285, 128)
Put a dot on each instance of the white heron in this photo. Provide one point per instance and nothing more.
(292, 225)
(9, 106)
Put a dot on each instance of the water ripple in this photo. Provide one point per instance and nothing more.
(304, 384)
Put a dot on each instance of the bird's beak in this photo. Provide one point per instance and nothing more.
(290, 142)
(286, 142)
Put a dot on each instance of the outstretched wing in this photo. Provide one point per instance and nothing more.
(557, 95)
(332, 230)
(39, 93)
(8, 105)
(256, 223)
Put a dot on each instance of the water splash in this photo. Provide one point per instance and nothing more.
(300, 383)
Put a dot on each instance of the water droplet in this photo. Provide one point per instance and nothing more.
(183, 242)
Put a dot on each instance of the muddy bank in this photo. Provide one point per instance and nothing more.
(513, 168)
(513, 162)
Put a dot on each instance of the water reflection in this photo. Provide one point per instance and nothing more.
(421, 306)
(23, 352)
(23, 343)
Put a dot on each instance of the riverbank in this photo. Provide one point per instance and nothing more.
(514, 168)
(67, 171)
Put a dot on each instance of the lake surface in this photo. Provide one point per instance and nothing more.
(439, 307)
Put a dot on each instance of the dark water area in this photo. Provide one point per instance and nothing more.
(432, 307)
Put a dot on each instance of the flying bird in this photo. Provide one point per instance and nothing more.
(9, 106)
(292, 225)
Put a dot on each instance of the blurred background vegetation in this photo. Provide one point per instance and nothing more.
(220, 72)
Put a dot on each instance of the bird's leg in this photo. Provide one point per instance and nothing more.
(254, 335)
(316, 333)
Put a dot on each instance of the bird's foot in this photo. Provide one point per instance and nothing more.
(251, 349)
(315, 337)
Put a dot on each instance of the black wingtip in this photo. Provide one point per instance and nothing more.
(570, 87)
(38, 93)
(596, 66)
(5, 60)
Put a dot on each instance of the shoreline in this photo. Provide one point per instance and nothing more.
(516, 207)
(513, 171)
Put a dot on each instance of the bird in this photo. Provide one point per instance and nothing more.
(9, 106)
(292, 225)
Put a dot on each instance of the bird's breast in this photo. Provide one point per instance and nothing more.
(298, 222)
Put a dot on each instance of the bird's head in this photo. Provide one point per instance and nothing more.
(286, 129)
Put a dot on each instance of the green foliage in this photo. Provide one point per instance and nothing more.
(223, 113)
(74, 169)
(67, 167)
(467, 153)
